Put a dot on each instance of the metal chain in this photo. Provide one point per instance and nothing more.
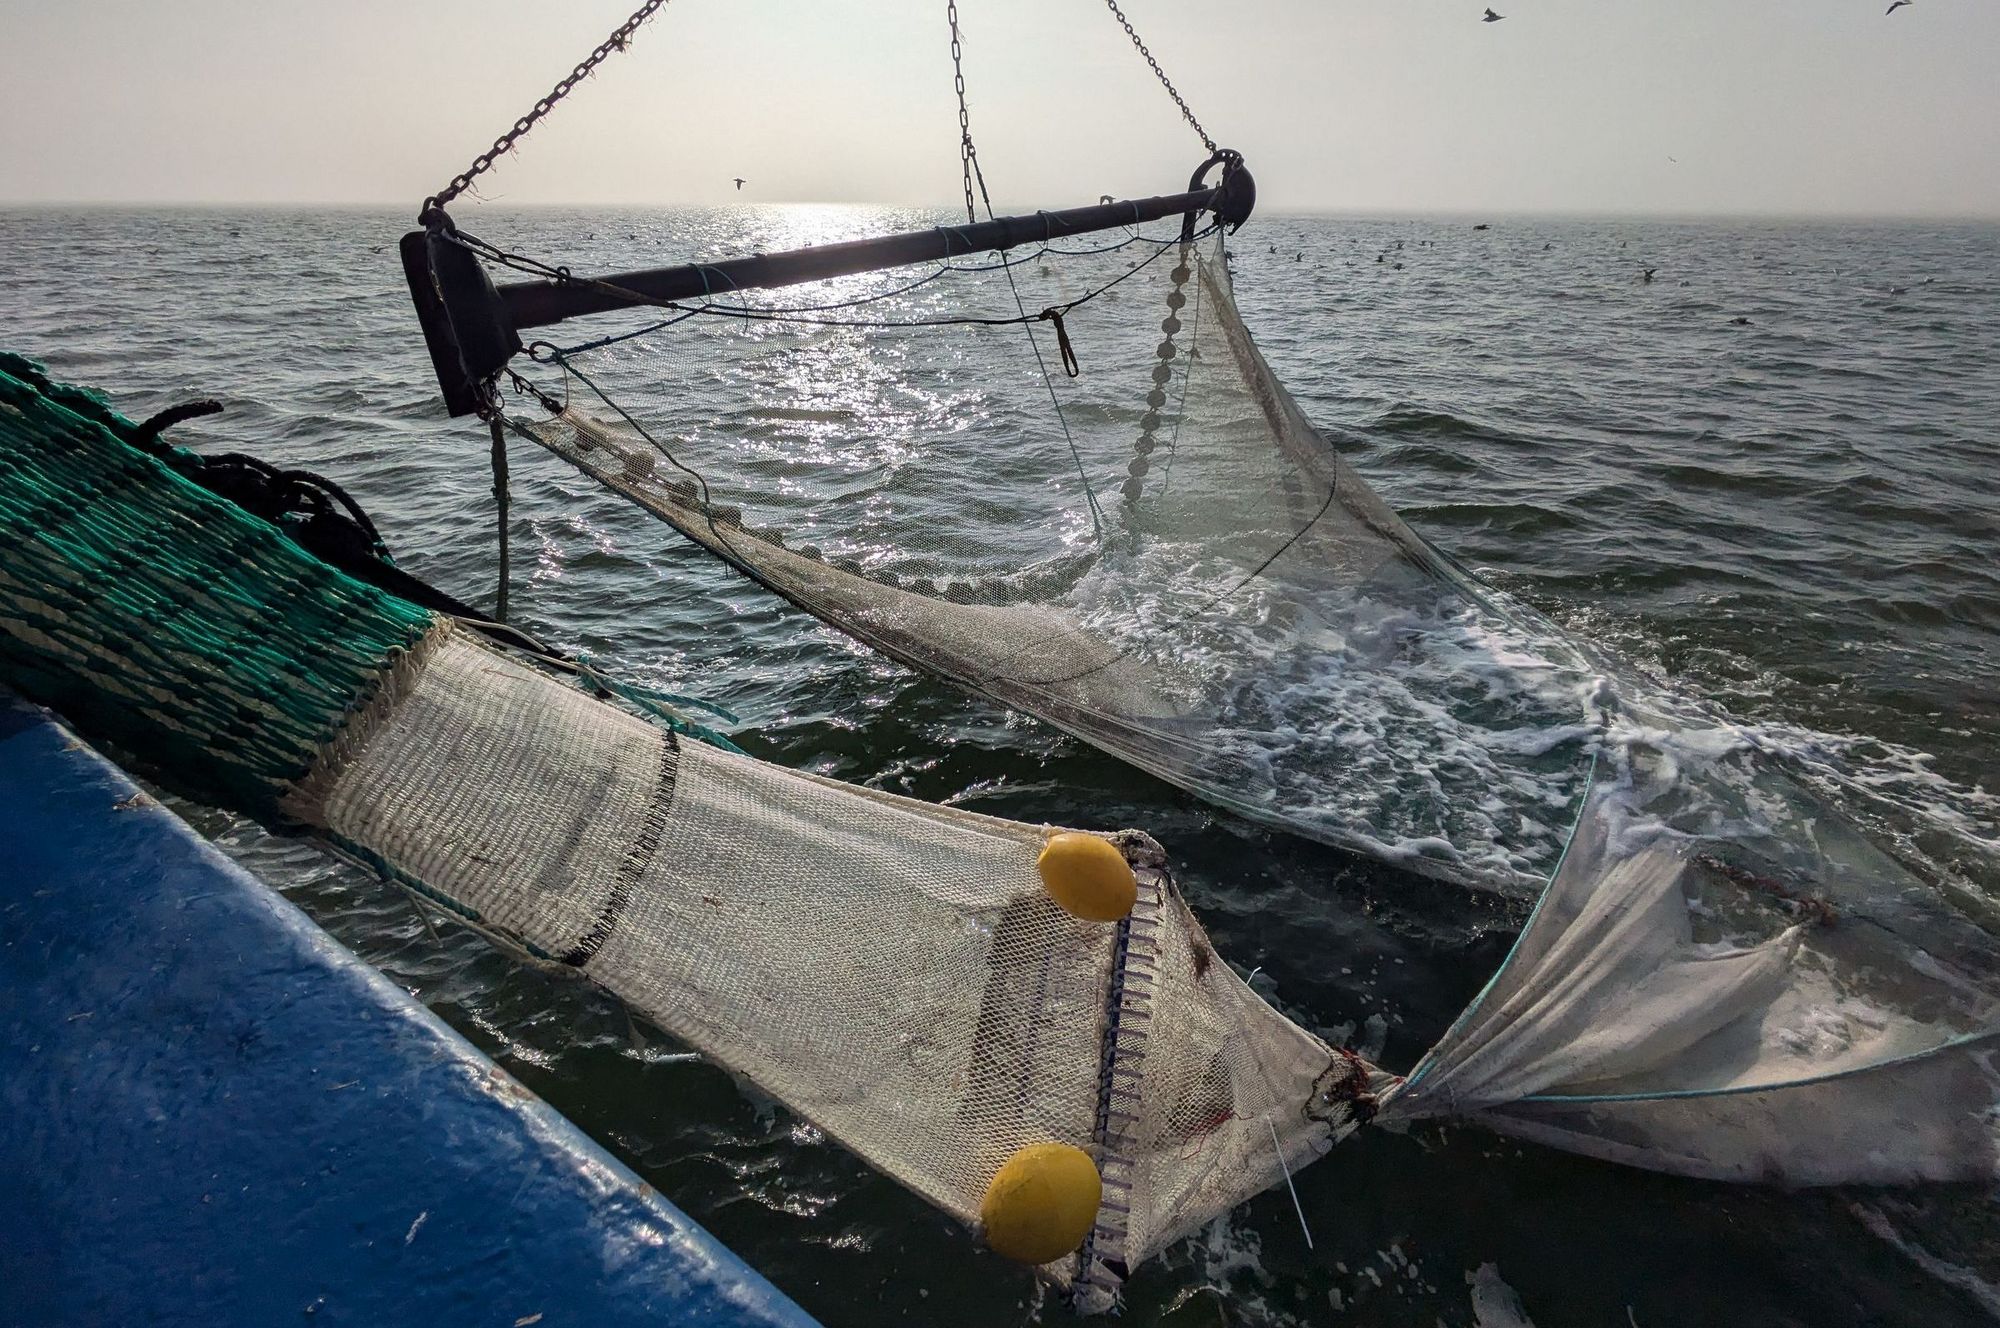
(967, 154)
(1159, 73)
(969, 159)
(617, 41)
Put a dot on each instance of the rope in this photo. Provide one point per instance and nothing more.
(1034, 344)
(701, 481)
(663, 706)
(154, 425)
(617, 337)
(500, 505)
(1297, 1207)
(318, 513)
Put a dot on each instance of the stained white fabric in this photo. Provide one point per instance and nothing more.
(891, 970)
(1724, 977)
(1612, 1031)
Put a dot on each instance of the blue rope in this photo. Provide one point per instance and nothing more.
(663, 705)
(648, 330)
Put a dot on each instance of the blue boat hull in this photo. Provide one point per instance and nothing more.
(212, 1113)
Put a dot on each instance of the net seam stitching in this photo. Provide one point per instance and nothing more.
(638, 857)
(1121, 1069)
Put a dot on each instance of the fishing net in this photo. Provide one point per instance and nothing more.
(1159, 555)
(1728, 978)
(1155, 551)
(1741, 990)
(895, 972)
(1724, 975)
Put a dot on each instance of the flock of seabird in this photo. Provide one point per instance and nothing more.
(1643, 275)
(1489, 17)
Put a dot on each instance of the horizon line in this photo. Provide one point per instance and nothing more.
(1308, 212)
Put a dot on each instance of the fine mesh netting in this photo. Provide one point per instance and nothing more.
(1669, 1007)
(1724, 976)
(1728, 977)
(1173, 565)
(893, 971)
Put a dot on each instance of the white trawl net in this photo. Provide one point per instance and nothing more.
(1725, 978)
(893, 971)
(1177, 567)
(1670, 1007)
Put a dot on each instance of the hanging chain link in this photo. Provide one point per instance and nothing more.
(1158, 73)
(617, 41)
(967, 154)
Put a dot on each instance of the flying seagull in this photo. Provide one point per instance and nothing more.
(1492, 17)
(1894, 6)
(739, 179)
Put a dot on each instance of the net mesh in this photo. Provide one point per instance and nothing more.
(893, 971)
(1667, 1009)
(1724, 976)
(164, 619)
(1173, 565)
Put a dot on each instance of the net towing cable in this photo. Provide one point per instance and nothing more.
(473, 327)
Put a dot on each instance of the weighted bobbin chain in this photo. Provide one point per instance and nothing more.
(1103, 1260)
(617, 41)
(1163, 373)
(1160, 74)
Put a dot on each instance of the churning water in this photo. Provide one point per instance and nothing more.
(1767, 475)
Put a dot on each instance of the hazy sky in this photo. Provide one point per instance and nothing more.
(1662, 107)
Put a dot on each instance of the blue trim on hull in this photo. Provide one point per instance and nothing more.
(211, 1113)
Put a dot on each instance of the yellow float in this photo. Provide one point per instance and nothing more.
(1041, 1203)
(1087, 876)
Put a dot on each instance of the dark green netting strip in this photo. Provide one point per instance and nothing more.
(169, 621)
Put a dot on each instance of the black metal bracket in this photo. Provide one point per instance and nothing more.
(465, 326)
(1235, 196)
(473, 327)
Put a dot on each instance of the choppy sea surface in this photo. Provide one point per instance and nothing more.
(1767, 476)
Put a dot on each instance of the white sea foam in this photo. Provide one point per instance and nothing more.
(1986, 1294)
(1494, 1303)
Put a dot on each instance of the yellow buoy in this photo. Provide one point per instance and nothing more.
(1088, 876)
(1041, 1203)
